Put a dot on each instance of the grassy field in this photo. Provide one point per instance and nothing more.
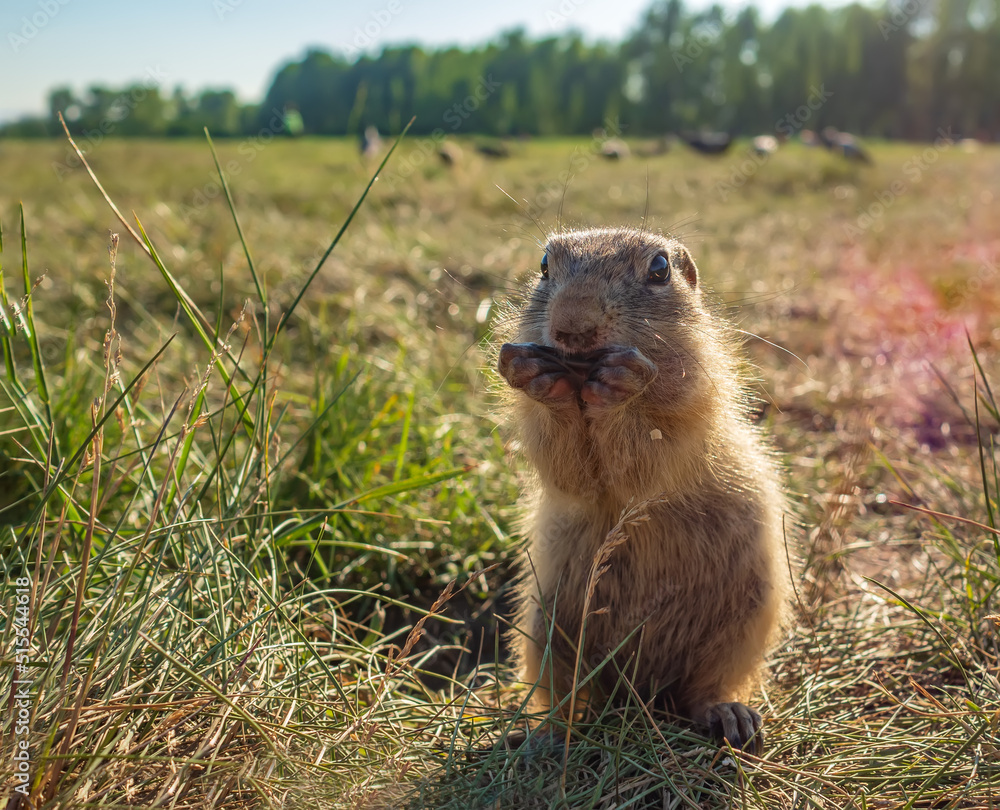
(262, 524)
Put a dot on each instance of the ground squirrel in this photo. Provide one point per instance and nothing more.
(626, 390)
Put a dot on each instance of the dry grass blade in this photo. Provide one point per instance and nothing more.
(598, 567)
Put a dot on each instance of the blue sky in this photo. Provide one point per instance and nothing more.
(241, 43)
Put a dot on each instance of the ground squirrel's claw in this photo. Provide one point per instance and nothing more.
(736, 723)
(617, 377)
(539, 374)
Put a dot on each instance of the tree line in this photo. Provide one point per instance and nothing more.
(905, 69)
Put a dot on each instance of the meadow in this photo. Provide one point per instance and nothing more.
(256, 495)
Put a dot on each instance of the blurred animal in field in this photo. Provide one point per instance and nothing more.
(371, 143)
(654, 149)
(843, 143)
(614, 149)
(708, 143)
(493, 149)
(764, 145)
(450, 153)
(810, 138)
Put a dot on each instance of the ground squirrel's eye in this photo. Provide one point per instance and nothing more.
(659, 270)
(545, 266)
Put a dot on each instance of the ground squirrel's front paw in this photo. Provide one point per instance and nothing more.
(617, 377)
(538, 372)
(736, 723)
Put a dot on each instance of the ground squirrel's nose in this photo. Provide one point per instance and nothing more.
(575, 320)
(576, 341)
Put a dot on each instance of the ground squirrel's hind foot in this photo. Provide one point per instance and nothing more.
(737, 723)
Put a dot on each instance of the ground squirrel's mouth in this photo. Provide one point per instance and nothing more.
(575, 361)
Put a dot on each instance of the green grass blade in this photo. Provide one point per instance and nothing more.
(33, 419)
(336, 239)
(406, 485)
(988, 399)
(6, 325)
(921, 614)
(64, 470)
(198, 321)
(404, 440)
(932, 780)
(258, 284)
(982, 467)
(29, 320)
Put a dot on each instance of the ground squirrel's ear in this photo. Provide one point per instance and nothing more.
(683, 263)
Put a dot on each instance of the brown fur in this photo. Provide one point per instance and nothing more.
(693, 597)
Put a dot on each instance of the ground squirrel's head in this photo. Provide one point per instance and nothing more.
(624, 287)
(610, 287)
